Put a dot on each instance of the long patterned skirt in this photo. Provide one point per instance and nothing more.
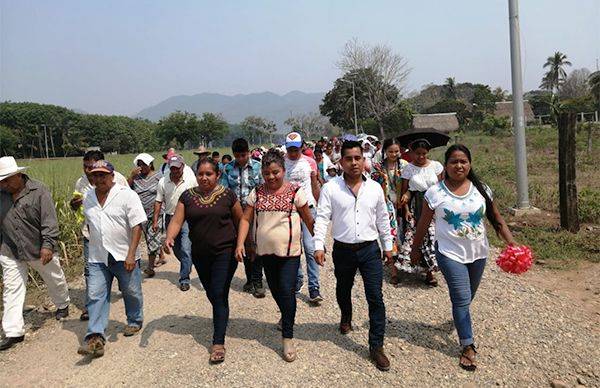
(154, 240)
(428, 262)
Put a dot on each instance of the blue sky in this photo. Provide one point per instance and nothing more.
(120, 56)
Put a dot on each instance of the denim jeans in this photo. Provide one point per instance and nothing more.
(182, 250)
(368, 261)
(86, 254)
(463, 281)
(215, 273)
(281, 275)
(312, 268)
(99, 279)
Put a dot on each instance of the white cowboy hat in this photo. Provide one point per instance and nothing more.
(8, 167)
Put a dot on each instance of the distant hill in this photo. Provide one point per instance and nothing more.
(235, 108)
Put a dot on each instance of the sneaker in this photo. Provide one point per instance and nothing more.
(184, 287)
(62, 313)
(131, 330)
(249, 287)
(315, 296)
(94, 345)
(299, 286)
(259, 290)
(85, 316)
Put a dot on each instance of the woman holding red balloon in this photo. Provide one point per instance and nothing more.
(459, 203)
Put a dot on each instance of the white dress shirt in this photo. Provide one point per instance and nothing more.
(111, 225)
(356, 219)
(168, 192)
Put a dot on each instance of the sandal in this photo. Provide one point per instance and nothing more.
(289, 350)
(430, 280)
(149, 272)
(467, 358)
(160, 262)
(217, 354)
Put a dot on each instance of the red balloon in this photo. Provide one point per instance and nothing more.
(515, 259)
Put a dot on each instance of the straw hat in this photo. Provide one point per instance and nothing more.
(201, 151)
(8, 167)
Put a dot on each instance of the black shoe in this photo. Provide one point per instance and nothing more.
(259, 290)
(249, 287)
(85, 316)
(184, 286)
(62, 313)
(346, 324)
(8, 342)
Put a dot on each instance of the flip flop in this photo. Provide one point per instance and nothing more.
(159, 263)
(217, 354)
(471, 366)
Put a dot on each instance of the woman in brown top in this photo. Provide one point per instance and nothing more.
(212, 213)
(276, 208)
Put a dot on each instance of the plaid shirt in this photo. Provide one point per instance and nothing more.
(242, 180)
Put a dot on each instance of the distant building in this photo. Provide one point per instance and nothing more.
(505, 109)
(445, 122)
(94, 148)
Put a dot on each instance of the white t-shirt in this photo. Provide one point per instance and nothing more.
(300, 172)
(111, 225)
(459, 228)
(422, 178)
(168, 192)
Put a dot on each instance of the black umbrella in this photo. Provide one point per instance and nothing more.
(433, 136)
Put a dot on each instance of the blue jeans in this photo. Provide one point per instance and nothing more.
(368, 261)
(463, 281)
(182, 250)
(281, 275)
(215, 273)
(86, 254)
(99, 282)
(312, 268)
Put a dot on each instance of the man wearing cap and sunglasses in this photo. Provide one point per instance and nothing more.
(114, 215)
(300, 170)
(170, 187)
(28, 238)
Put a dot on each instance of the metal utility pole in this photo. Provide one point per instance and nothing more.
(518, 114)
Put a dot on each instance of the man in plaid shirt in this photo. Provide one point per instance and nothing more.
(241, 176)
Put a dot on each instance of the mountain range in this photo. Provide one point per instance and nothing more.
(235, 108)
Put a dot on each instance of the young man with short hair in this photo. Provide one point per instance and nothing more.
(357, 209)
(241, 176)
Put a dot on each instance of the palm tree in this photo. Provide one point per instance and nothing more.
(450, 88)
(556, 73)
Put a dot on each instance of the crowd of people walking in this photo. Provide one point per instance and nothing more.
(389, 206)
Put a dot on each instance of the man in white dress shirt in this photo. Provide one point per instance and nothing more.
(357, 209)
(114, 215)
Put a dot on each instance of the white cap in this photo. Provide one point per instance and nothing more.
(144, 157)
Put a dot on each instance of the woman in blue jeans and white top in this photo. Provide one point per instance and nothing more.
(276, 208)
(459, 204)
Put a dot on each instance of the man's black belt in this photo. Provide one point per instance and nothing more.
(352, 247)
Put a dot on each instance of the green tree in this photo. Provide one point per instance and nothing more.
(594, 82)
(556, 74)
(255, 127)
(177, 128)
(212, 127)
(450, 89)
(9, 141)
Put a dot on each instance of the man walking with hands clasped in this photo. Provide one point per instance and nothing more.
(357, 209)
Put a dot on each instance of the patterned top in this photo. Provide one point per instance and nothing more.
(146, 188)
(241, 180)
(390, 180)
(277, 225)
(210, 218)
(460, 231)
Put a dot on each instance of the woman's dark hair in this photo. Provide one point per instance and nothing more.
(94, 155)
(228, 157)
(318, 150)
(208, 160)
(481, 187)
(420, 143)
(349, 144)
(273, 156)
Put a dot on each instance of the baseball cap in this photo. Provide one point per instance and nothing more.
(144, 157)
(102, 166)
(293, 139)
(176, 161)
